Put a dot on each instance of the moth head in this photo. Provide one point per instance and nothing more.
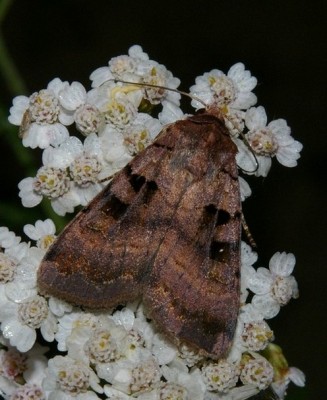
(219, 111)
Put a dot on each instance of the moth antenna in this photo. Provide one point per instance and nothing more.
(201, 102)
(191, 96)
(247, 232)
(107, 178)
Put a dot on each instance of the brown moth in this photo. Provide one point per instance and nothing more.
(25, 124)
(166, 229)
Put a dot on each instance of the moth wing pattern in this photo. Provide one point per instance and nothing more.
(166, 228)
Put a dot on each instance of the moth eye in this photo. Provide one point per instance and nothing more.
(223, 217)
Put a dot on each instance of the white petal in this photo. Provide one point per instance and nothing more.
(288, 155)
(100, 75)
(245, 189)
(45, 135)
(21, 336)
(264, 165)
(125, 317)
(255, 118)
(7, 238)
(72, 96)
(8, 309)
(297, 376)
(244, 157)
(46, 227)
(31, 232)
(27, 194)
(56, 85)
(244, 101)
(20, 105)
(66, 117)
(266, 305)
(48, 328)
(249, 257)
(59, 307)
(279, 128)
(19, 292)
(260, 282)
(163, 351)
(137, 52)
(282, 264)
(66, 203)
(170, 113)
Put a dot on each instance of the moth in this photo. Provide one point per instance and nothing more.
(166, 229)
(25, 124)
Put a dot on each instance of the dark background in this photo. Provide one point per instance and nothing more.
(283, 43)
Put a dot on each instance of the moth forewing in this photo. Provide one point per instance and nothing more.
(167, 228)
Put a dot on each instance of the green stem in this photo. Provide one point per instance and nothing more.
(4, 7)
(8, 69)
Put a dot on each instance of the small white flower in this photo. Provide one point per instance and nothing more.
(141, 133)
(43, 232)
(248, 314)
(292, 375)
(78, 102)
(23, 284)
(88, 119)
(46, 116)
(256, 335)
(275, 287)
(69, 177)
(67, 322)
(136, 67)
(233, 90)
(72, 96)
(103, 342)
(220, 376)
(156, 74)
(52, 183)
(123, 67)
(12, 245)
(7, 268)
(20, 321)
(190, 356)
(257, 371)
(192, 381)
(14, 252)
(28, 391)
(267, 141)
(167, 391)
(145, 375)
(115, 153)
(12, 363)
(120, 112)
(70, 379)
(163, 351)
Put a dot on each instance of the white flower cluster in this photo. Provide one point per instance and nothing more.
(119, 354)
